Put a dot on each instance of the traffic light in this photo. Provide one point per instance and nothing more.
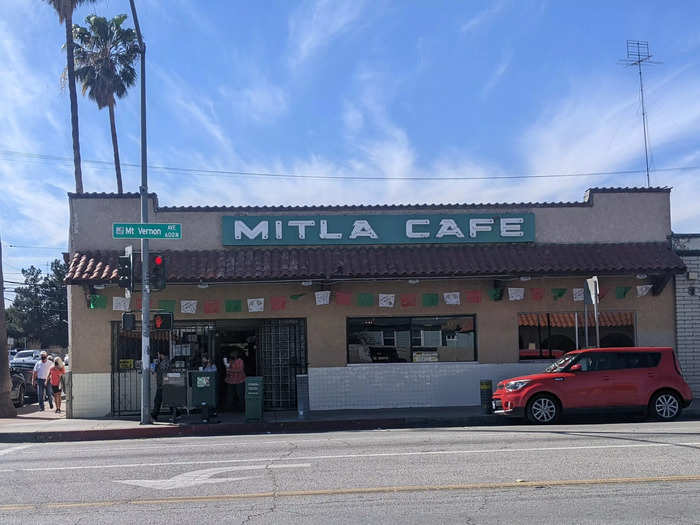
(128, 322)
(157, 272)
(125, 272)
(163, 321)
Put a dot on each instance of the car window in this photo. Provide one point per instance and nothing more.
(638, 359)
(24, 353)
(603, 361)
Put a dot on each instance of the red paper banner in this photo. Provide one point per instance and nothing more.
(278, 303)
(212, 306)
(472, 296)
(536, 294)
(343, 298)
(602, 292)
(137, 303)
(408, 299)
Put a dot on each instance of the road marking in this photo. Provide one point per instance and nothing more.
(360, 490)
(13, 449)
(203, 477)
(499, 451)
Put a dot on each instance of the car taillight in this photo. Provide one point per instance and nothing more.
(676, 365)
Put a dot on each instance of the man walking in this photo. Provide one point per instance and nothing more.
(40, 375)
(161, 368)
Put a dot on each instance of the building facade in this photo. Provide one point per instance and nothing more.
(382, 306)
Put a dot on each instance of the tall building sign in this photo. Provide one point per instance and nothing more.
(319, 230)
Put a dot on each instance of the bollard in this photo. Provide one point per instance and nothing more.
(486, 390)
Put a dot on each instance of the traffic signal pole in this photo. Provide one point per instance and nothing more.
(146, 291)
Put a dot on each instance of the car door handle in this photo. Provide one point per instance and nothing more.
(606, 378)
(559, 379)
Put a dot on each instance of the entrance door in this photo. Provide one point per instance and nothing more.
(281, 356)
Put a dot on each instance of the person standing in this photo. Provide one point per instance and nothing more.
(235, 381)
(55, 379)
(39, 377)
(161, 368)
(207, 366)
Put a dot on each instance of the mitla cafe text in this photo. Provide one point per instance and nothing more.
(377, 229)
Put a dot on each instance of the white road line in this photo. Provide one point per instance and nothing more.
(499, 451)
(13, 449)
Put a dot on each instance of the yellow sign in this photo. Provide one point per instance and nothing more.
(126, 364)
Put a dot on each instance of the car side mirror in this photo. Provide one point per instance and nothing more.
(575, 368)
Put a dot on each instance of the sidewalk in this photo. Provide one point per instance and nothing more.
(31, 425)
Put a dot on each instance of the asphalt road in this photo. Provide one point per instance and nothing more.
(637, 473)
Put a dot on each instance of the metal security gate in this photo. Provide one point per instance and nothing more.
(126, 359)
(281, 356)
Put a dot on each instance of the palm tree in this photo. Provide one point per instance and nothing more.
(104, 58)
(65, 9)
(7, 409)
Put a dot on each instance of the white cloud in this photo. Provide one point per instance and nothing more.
(318, 22)
(498, 73)
(482, 17)
(261, 102)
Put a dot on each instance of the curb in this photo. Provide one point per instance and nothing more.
(263, 427)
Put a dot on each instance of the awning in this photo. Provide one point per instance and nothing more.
(248, 264)
(567, 319)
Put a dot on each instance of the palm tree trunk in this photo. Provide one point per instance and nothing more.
(115, 146)
(7, 409)
(73, 103)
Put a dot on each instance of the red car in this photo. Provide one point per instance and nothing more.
(600, 378)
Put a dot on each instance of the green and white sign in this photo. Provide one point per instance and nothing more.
(126, 230)
(276, 230)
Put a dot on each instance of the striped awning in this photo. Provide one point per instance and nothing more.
(568, 320)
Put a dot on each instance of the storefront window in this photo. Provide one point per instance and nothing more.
(411, 339)
(549, 335)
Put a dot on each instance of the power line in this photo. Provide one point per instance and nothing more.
(232, 173)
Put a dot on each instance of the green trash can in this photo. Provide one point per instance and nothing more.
(253, 398)
(203, 389)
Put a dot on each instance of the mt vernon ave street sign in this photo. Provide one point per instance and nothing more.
(431, 228)
(126, 230)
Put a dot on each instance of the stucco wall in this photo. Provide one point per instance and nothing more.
(605, 218)
(496, 322)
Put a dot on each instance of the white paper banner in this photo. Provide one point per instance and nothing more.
(578, 294)
(120, 304)
(451, 298)
(386, 300)
(516, 294)
(188, 307)
(643, 290)
(256, 305)
(323, 297)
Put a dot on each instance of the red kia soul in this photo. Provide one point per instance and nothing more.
(600, 378)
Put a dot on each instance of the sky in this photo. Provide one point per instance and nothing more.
(379, 89)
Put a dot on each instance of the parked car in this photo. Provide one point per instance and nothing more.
(19, 387)
(23, 363)
(646, 378)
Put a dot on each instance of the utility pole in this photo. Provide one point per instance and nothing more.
(637, 54)
(146, 289)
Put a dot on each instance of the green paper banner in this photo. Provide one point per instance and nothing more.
(234, 305)
(365, 299)
(558, 293)
(621, 291)
(167, 304)
(296, 296)
(496, 294)
(97, 301)
(430, 299)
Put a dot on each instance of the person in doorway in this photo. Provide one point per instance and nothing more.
(161, 368)
(40, 375)
(55, 378)
(207, 365)
(235, 381)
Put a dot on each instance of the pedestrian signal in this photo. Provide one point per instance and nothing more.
(163, 321)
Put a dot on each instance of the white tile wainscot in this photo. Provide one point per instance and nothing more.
(401, 385)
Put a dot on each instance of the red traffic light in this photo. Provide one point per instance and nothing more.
(158, 260)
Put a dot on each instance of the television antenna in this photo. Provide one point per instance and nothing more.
(638, 54)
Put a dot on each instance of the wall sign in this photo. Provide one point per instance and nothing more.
(276, 230)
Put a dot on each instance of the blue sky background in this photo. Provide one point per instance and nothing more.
(353, 88)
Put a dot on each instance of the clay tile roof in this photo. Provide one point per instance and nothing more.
(381, 262)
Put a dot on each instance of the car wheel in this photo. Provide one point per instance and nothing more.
(20, 397)
(665, 406)
(543, 410)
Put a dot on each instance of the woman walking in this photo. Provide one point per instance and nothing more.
(55, 379)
